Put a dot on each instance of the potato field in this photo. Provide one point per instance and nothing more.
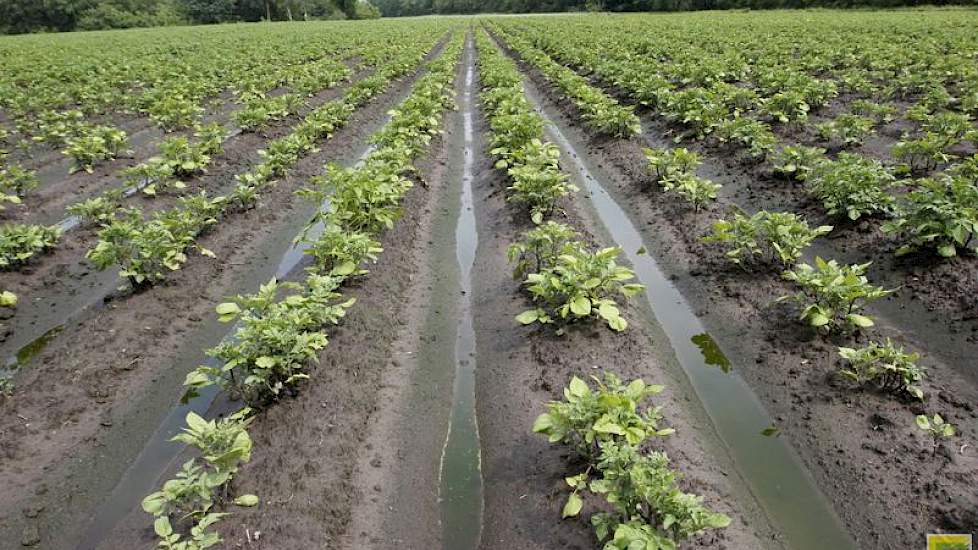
(580, 281)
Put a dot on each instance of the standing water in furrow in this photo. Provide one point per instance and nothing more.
(778, 479)
(460, 491)
(159, 453)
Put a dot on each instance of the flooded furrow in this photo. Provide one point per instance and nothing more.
(159, 453)
(460, 478)
(54, 313)
(778, 480)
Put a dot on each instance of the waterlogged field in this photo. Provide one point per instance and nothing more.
(647, 281)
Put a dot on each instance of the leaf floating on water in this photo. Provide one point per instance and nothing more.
(641, 251)
(771, 430)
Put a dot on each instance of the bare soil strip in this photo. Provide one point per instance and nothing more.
(57, 285)
(89, 399)
(862, 447)
(520, 369)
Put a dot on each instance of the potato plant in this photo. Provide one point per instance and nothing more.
(95, 145)
(259, 112)
(15, 183)
(342, 252)
(20, 242)
(275, 341)
(787, 107)
(607, 428)
(936, 427)
(179, 158)
(885, 365)
(538, 181)
(797, 162)
(579, 285)
(939, 214)
(752, 135)
(695, 190)
(765, 236)
(848, 128)
(540, 247)
(669, 165)
(833, 294)
(852, 186)
(146, 250)
(184, 507)
(921, 155)
(98, 210)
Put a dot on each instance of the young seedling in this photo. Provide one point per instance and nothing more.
(936, 427)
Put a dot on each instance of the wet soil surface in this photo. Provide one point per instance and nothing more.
(888, 482)
(57, 284)
(520, 369)
(352, 460)
(83, 407)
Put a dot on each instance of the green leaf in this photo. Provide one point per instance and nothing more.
(227, 311)
(818, 319)
(617, 323)
(543, 423)
(573, 506)
(581, 306)
(923, 422)
(606, 425)
(247, 500)
(578, 387)
(770, 431)
(528, 317)
(860, 320)
(344, 269)
(162, 527)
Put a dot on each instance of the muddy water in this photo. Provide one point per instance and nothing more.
(460, 491)
(158, 455)
(779, 481)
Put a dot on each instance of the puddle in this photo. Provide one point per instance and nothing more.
(104, 283)
(26, 353)
(460, 478)
(782, 485)
(712, 354)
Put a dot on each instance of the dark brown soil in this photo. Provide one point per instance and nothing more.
(83, 408)
(520, 369)
(863, 448)
(352, 461)
(61, 281)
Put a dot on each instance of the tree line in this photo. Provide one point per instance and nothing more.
(21, 16)
(395, 8)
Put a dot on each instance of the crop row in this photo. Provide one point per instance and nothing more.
(934, 213)
(146, 248)
(170, 92)
(301, 71)
(174, 101)
(568, 282)
(282, 328)
(940, 213)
